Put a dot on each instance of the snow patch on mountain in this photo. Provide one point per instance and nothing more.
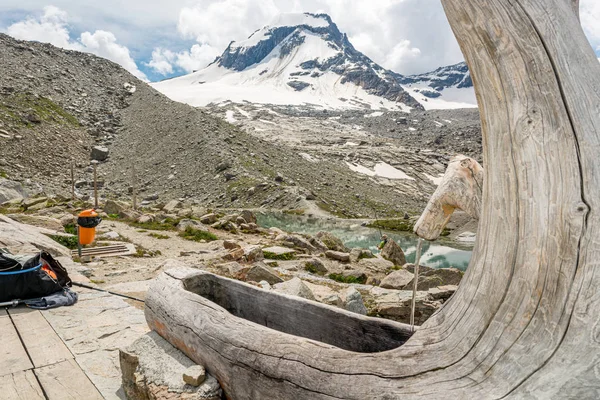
(444, 88)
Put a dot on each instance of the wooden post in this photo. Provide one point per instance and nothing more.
(134, 186)
(95, 185)
(525, 320)
(72, 182)
(415, 284)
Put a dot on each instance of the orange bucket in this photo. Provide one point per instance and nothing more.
(87, 221)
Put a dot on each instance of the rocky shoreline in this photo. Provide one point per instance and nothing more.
(316, 267)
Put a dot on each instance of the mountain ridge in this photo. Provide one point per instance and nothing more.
(295, 55)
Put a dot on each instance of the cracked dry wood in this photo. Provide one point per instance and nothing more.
(525, 321)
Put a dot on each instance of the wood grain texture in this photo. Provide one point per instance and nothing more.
(66, 381)
(20, 386)
(13, 357)
(525, 321)
(42, 343)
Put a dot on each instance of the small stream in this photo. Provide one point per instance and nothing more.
(439, 254)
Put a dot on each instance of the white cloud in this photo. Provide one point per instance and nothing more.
(52, 28)
(408, 36)
(199, 56)
(590, 21)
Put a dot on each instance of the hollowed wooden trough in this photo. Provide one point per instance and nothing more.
(230, 326)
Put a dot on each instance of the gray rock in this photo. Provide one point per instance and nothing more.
(171, 206)
(99, 153)
(29, 203)
(393, 252)
(396, 305)
(355, 273)
(299, 242)
(190, 223)
(194, 375)
(231, 269)
(115, 207)
(434, 277)
(262, 272)
(376, 267)
(153, 369)
(316, 266)
(279, 253)
(208, 219)
(248, 216)
(295, 287)
(332, 242)
(397, 279)
(253, 253)
(145, 219)
(337, 255)
(231, 244)
(353, 301)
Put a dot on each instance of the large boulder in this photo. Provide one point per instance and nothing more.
(171, 206)
(338, 255)
(315, 266)
(152, 369)
(99, 153)
(397, 279)
(376, 267)
(115, 207)
(298, 242)
(190, 223)
(262, 272)
(434, 277)
(295, 287)
(332, 242)
(352, 301)
(11, 190)
(248, 216)
(43, 222)
(253, 253)
(393, 252)
(20, 238)
(396, 305)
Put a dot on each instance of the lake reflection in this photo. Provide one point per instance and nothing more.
(435, 254)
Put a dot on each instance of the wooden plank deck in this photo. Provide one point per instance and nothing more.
(13, 357)
(35, 363)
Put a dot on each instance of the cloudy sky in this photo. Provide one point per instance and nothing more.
(155, 39)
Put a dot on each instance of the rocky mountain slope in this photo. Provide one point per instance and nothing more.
(446, 87)
(57, 105)
(296, 59)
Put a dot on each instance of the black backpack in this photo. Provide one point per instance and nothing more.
(39, 276)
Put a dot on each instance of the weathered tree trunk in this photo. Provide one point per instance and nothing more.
(525, 322)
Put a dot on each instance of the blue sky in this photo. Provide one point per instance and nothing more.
(155, 39)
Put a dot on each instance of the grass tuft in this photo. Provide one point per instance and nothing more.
(347, 279)
(197, 235)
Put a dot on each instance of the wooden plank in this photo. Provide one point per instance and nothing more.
(13, 357)
(41, 341)
(66, 380)
(20, 386)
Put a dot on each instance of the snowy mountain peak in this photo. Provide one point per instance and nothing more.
(446, 87)
(297, 59)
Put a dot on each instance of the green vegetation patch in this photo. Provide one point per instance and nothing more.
(282, 257)
(197, 235)
(71, 228)
(400, 225)
(70, 242)
(347, 279)
(17, 106)
(168, 224)
(158, 236)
